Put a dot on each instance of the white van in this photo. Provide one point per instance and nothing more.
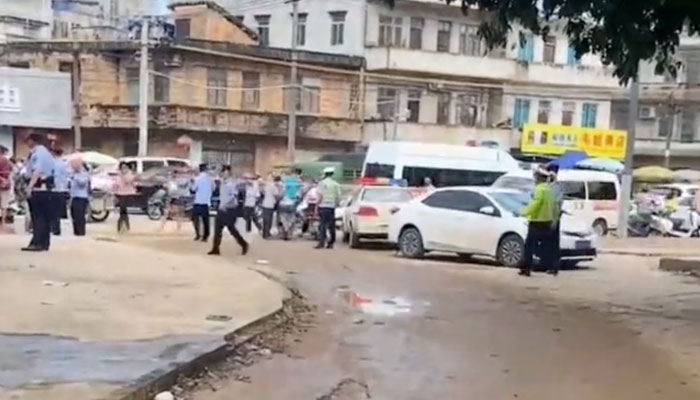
(591, 196)
(142, 164)
(445, 164)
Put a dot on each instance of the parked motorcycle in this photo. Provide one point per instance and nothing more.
(156, 205)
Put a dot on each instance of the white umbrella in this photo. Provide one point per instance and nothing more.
(94, 158)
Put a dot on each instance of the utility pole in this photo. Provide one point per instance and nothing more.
(626, 187)
(669, 135)
(77, 117)
(143, 90)
(293, 95)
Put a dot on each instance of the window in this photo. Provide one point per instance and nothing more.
(567, 113)
(589, 116)
(310, 99)
(467, 108)
(550, 49)
(445, 199)
(571, 56)
(443, 108)
(67, 67)
(442, 177)
(545, 106)
(337, 27)
(665, 123)
(132, 85)
(376, 170)
(182, 28)
(217, 83)
(152, 164)
(177, 164)
(687, 125)
(19, 64)
(601, 191)
(443, 36)
(251, 95)
(416, 36)
(414, 96)
(521, 116)
(301, 29)
(263, 29)
(573, 190)
(161, 86)
(386, 102)
(472, 202)
(526, 50)
(469, 40)
(390, 30)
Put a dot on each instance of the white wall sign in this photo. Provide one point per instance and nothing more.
(9, 99)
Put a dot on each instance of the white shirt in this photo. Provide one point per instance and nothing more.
(202, 189)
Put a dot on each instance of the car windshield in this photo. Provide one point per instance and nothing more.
(386, 195)
(520, 183)
(513, 202)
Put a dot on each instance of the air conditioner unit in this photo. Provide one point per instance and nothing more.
(647, 112)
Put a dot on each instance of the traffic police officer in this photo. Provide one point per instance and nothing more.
(61, 176)
(230, 205)
(40, 169)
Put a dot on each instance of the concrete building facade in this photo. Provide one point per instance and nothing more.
(210, 100)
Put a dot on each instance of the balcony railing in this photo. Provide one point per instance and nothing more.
(204, 119)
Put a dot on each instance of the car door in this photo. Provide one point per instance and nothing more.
(478, 226)
(441, 220)
(350, 210)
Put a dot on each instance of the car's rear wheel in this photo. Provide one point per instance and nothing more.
(411, 243)
(511, 251)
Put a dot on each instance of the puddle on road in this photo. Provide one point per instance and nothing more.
(36, 359)
(384, 306)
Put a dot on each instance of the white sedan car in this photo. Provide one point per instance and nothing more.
(479, 221)
(368, 212)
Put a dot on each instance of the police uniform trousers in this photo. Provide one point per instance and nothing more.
(43, 206)
(227, 219)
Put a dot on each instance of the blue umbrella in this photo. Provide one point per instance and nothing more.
(569, 159)
(601, 164)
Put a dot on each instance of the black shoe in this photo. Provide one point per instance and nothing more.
(244, 249)
(319, 246)
(329, 246)
(553, 272)
(33, 248)
(197, 238)
(214, 252)
(524, 272)
(205, 239)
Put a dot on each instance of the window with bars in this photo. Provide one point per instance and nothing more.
(416, 34)
(443, 108)
(337, 27)
(444, 35)
(469, 41)
(132, 85)
(386, 102)
(263, 22)
(414, 98)
(217, 83)
(390, 31)
(526, 49)
(161, 86)
(550, 49)
(467, 109)
(543, 110)
(250, 100)
(567, 113)
(301, 29)
(310, 101)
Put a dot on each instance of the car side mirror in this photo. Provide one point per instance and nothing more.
(487, 210)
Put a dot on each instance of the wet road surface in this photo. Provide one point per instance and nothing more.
(390, 328)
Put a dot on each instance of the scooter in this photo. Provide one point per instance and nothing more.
(684, 223)
(287, 218)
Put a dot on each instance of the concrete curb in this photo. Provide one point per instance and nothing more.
(150, 385)
(683, 265)
(650, 253)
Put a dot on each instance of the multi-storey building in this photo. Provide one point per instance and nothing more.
(214, 94)
(25, 20)
(429, 75)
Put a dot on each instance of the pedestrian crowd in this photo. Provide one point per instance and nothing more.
(47, 185)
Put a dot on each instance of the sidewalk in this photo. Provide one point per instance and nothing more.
(651, 246)
(92, 317)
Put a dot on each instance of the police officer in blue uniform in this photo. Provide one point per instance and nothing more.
(61, 178)
(40, 170)
(230, 206)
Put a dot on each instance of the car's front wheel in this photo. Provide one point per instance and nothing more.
(511, 251)
(411, 243)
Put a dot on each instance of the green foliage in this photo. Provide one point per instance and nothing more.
(621, 32)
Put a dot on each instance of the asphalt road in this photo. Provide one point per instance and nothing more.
(391, 328)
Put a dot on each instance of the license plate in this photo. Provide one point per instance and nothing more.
(583, 244)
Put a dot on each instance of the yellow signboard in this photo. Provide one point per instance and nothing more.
(556, 140)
